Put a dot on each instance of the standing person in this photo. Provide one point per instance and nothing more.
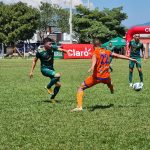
(111, 48)
(100, 68)
(46, 56)
(135, 46)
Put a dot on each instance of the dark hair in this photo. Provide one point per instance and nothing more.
(96, 42)
(45, 40)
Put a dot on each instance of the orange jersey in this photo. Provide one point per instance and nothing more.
(101, 69)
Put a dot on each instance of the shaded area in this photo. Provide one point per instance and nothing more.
(92, 108)
(49, 101)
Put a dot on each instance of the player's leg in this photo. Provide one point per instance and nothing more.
(54, 79)
(89, 82)
(110, 85)
(131, 67)
(56, 90)
(130, 77)
(140, 75)
(53, 76)
(139, 67)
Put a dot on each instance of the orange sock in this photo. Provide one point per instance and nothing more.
(79, 98)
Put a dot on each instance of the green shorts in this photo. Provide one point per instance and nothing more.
(138, 65)
(48, 72)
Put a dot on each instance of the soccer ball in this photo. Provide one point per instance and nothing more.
(137, 86)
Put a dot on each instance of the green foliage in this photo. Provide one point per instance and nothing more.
(47, 12)
(119, 121)
(51, 15)
(63, 20)
(18, 22)
(106, 24)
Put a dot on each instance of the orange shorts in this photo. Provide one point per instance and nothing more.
(90, 81)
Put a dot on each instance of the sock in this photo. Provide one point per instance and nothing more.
(79, 98)
(52, 82)
(141, 76)
(111, 87)
(56, 90)
(130, 76)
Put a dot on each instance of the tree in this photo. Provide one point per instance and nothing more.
(18, 22)
(106, 24)
(51, 15)
(63, 20)
(47, 11)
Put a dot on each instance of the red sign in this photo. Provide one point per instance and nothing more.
(80, 51)
(135, 30)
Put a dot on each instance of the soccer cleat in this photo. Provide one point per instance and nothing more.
(130, 85)
(112, 91)
(141, 83)
(77, 109)
(50, 91)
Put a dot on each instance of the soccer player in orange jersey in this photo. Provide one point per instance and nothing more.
(100, 68)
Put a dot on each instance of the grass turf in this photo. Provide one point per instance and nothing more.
(109, 122)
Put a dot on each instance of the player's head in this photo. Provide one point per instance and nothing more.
(136, 37)
(97, 43)
(48, 43)
(110, 43)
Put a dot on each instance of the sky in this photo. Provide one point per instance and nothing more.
(137, 10)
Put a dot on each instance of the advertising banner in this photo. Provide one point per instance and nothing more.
(58, 55)
(78, 51)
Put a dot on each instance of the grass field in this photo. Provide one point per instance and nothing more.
(109, 122)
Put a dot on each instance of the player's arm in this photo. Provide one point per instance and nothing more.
(143, 52)
(123, 57)
(93, 63)
(60, 49)
(63, 50)
(33, 66)
(129, 47)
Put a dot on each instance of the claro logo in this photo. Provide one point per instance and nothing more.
(147, 29)
(86, 52)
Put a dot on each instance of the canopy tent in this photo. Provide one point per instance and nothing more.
(117, 42)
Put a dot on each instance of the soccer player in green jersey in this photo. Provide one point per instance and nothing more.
(111, 48)
(46, 56)
(135, 47)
